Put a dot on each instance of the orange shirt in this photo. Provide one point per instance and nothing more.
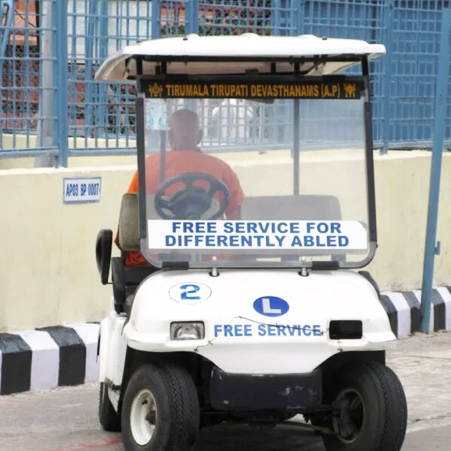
(180, 162)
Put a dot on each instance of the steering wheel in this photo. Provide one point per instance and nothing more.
(191, 202)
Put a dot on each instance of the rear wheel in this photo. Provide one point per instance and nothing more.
(369, 409)
(108, 417)
(160, 410)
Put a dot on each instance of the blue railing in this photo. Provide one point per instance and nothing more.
(52, 106)
(30, 81)
(7, 17)
(6, 21)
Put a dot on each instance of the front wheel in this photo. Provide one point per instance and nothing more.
(369, 409)
(160, 410)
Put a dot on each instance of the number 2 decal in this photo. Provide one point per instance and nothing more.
(188, 292)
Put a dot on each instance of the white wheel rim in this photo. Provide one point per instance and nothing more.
(143, 416)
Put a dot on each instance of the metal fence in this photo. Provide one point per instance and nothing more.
(50, 50)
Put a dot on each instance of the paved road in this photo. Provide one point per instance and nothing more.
(66, 419)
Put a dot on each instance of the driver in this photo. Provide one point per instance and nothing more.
(184, 138)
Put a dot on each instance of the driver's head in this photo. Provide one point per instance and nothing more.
(184, 132)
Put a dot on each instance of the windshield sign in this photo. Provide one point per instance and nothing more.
(257, 235)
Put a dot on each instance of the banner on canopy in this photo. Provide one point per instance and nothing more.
(350, 89)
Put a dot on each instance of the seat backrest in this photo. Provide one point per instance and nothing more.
(291, 208)
(129, 223)
(129, 220)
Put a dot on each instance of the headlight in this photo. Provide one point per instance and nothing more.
(187, 331)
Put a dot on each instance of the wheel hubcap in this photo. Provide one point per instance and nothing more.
(143, 417)
(350, 413)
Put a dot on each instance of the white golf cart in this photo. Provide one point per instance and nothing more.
(263, 316)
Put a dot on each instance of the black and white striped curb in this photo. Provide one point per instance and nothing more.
(62, 356)
(403, 309)
(46, 358)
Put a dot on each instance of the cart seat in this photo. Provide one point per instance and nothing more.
(129, 220)
(125, 278)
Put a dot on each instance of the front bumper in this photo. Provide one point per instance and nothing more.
(261, 355)
(276, 392)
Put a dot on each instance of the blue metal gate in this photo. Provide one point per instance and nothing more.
(100, 117)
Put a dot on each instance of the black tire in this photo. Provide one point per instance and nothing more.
(175, 415)
(108, 417)
(380, 409)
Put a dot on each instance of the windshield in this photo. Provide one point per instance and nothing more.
(256, 174)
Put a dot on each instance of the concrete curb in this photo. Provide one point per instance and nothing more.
(47, 358)
(51, 357)
(403, 309)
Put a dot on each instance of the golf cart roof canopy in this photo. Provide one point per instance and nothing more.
(211, 55)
